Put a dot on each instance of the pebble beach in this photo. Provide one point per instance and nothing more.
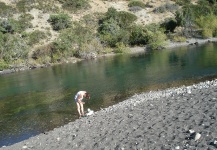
(176, 118)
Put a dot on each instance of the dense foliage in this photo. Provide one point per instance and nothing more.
(21, 44)
(74, 5)
(59, 21)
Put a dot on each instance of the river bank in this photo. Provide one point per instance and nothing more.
(170, 45)
(176, 118)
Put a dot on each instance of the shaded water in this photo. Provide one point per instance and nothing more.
(36, 101)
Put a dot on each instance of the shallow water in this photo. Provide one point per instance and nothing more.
(36, 101)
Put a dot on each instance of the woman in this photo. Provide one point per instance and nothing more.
(78, 99)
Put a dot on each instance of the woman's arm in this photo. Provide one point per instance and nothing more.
(80, 98)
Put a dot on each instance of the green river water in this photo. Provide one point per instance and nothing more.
(37, 101)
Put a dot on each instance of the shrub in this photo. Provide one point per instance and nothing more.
(43, 54)
(24, 5)
(111, 38)
(5, 10)
(135, 8)
(183, 2)
(3, 65)
(169, 25)
(93, 46)
(215, 33)
(71, 40)
(46, 6)
(107, 50)
(12, 26)
(111, 13)
(208, 24)
(179, 16)
(59, 21)
(25, 21)
(153, 27)
(166, 8)
(136, 3)
(114, 26)
(179, 39)
(122, 18)
(35, 37)
(138, 35)
(91, 21)
(157, 40)
(121, 48)
(125, 19)
(207, 33)
(75, 5)
(109, 30)
(13, 48)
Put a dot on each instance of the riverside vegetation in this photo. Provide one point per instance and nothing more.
(64, 38)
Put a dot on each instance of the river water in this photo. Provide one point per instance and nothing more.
(37, 101)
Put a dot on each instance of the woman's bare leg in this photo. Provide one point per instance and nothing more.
(78, 108)
(82, 109)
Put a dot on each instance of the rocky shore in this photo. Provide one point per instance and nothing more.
(177, 118)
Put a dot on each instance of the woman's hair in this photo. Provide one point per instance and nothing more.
(87, 95)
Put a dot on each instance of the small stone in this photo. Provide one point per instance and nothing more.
(24, 147)
(177, 147)
(197, 136)
(191, 131)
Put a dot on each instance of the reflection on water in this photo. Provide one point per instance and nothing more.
(36, 101)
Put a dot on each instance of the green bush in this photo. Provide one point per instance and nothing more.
(122, 18)
(121, 48)
(207, 33)
(13, 26)
(46, 6)
(91, 21)
(24, 5)
(166, 8)
(125, 19)
(215, 33)
(138, 35)
(157, 40)
(43, 54)
(35, 37)
(111, 33)
(75, 5)
(92, 46)
(111, 13)
(13, 48)
(114, 26)
(25, 21)
(70, 40)
(179, 38)
(179, 16)
(59, 21)
(201, 9)
(183, 2)
(136, 3)
(3, 65)
(208, 24)
(6, 10)
(153, 27)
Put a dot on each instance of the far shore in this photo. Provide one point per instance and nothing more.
(137, 49)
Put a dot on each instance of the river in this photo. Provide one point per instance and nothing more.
(37, 101)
